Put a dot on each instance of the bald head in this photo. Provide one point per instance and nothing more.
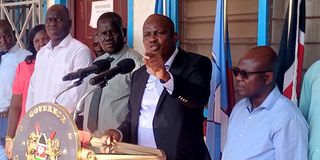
(7, 39)
(114, 17)
(61, 9)
(159, 36)
(255, 74)
(57, 23)
(4, 24)
(264, 57)
(110, 32)
(164, 20)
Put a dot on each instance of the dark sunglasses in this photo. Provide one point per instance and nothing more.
(244, 74)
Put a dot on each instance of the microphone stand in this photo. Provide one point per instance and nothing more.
(75, 84)
(79, 82)
(79, 108)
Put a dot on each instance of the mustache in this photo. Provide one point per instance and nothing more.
(154, 44)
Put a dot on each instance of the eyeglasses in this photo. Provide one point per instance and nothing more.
(244, 74)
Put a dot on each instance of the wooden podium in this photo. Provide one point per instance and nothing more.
(47, 132)
(122, 151)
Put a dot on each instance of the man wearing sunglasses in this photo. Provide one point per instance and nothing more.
(265, 124)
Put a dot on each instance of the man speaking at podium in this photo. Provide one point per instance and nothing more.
(167, 96)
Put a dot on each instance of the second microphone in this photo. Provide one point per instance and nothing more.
(123, 67)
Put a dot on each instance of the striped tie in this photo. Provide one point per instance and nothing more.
(94, 110)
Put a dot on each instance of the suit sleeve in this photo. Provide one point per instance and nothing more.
(125, 126)
(193, 90)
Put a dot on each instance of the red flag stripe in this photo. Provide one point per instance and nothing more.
(293, 76)
(300, 62)
(288, 90)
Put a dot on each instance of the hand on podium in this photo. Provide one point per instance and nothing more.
(108, 142)
(112, 136)
(109, 139)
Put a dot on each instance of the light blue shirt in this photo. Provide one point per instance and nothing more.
(8, 65)
(310, 107)
(276, 130)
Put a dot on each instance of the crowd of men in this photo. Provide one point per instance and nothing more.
(160, 103)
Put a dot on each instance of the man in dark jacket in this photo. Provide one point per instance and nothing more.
(167, 96)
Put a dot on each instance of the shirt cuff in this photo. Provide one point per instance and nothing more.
(121, 135)
(169, 84)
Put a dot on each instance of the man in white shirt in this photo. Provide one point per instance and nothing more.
(63, 54)
(10, 56)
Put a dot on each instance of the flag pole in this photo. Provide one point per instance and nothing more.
(290, 16)
(289, 20)
(225, 19)
(226, 43)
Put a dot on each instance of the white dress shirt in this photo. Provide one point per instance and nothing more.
(8, 65)
(51, 65)
(149, 103)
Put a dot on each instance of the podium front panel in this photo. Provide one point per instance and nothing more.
(46, 132)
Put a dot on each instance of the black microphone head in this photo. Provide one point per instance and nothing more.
(126, 65)
(103, 65)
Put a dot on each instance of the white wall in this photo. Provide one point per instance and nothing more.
(197, 26)
(142, 9)
(50, 3)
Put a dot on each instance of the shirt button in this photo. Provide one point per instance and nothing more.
(249, 117)
(240, 135)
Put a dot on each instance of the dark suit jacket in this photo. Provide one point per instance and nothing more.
(178, 120)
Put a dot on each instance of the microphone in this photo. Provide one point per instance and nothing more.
(124, 66)
(96, 67)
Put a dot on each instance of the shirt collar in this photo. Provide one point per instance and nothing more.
(14, 48)
(268, 103)
(64, 43)
(116, 56)
(170, 60)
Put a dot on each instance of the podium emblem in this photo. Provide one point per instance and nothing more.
(46, 132)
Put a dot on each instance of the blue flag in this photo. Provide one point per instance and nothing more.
(169, 8)
(159, 7)
(221, 99)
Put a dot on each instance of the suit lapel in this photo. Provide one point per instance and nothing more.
(141, 82)
(178, 64)
(176, 69)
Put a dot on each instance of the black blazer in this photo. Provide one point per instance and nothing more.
(178, 120)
